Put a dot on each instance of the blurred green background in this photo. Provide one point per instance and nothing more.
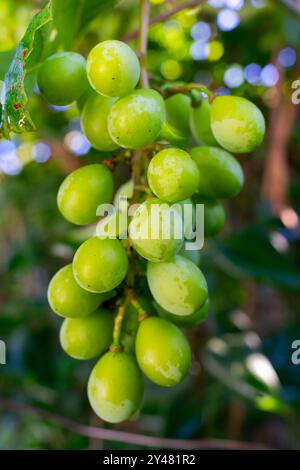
(243, 384)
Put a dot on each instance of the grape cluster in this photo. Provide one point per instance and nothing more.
(99, 294)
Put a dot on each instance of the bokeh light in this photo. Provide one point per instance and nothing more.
(252, 73)
(198, 50)
(77, 143)
(227, 19)
(41, 152)
(171, 69)
(269, 75)
(235, 4)
(201, 30)
(234, 76)
(259, 3)
(9, 161)
(215, 51)
(287, 57)
(216, 3)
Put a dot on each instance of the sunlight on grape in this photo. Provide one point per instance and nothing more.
(260, 366)
(171, 69)
(289, 218)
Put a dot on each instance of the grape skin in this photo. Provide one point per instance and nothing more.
(94, 122)
(68, 299)
(88, 337)
(177, 285)
(173, 175)
(237, 124)
(137, 119)
(163, 352)
(115, 387)
(82, 191)
(113, 68)
(165, 244)
(221, 175)
(201, 125)
(100, 265)
(62, 78)
(178, 108)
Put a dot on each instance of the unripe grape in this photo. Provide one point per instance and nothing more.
(177, 285)
(100, 265)
(187, 211)
(178, 109)
(113, 68)
(115, 387)
(200, 124)
(221, 175)
(62, 78)
(156, 230)
(237, 124)
(68, 299)
(88, 337)
(162, 351)
(214, 215)
(124, 191)
(173, 175)
(94, 122)
(136, 120)
(83, 191)
(186, 321)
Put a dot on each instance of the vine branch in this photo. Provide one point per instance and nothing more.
(165, 16)
(116, 346)
(143, 40)
(122, 436)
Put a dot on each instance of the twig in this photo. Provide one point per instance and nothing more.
(122, 436)
(143, 40)
(116, 347)
(165, 16)
(187, 88)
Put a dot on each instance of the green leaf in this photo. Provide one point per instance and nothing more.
(71, 16)
(249, 254)
(14, 114)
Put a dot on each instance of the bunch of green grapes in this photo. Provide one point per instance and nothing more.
(106, 315)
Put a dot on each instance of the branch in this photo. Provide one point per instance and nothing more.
(165, 16)
(143, 40)
(122, 436)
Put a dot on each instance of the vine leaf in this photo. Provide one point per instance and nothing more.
(14, 114)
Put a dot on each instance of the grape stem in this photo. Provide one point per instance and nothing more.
(143, 41)
(142, 314)
(187, 88)
(116, 345)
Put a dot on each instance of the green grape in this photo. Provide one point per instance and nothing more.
(186, 321)
(170, 135)
(68, 299)
(88, 337)
(186, 209)
(88, 92)
(177, 285)
(137, 119)
(100, 265)
(115, 387)
(156, 230)
(237, 124)
(200, 124)
(62, 78)
(221, 175)
(113, 226)
(113, 68)
(173, 175)
(162, 351)
(214, 218)
(94, 122)
(192, 255)
(178, 109)
(83, 191)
